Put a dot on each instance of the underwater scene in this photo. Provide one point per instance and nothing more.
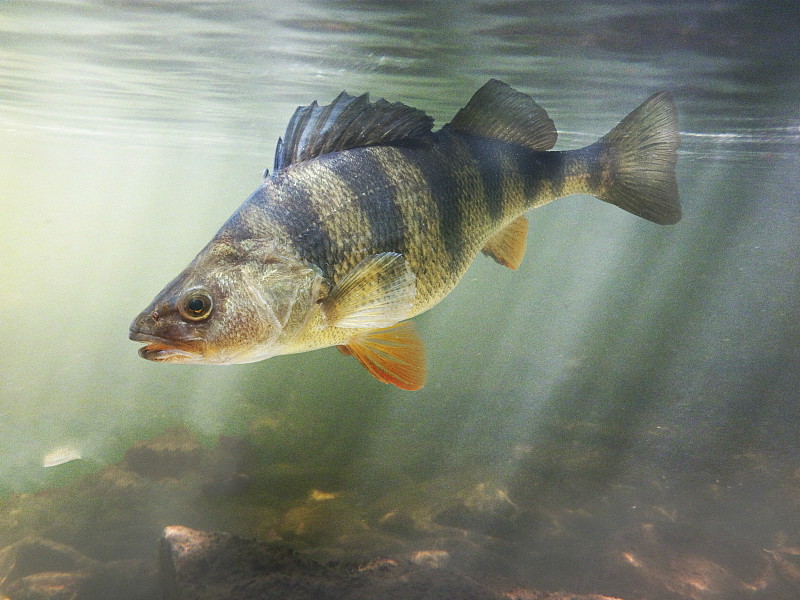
(617, 417)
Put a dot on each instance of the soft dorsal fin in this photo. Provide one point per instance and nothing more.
(499, 111)
(393, 355)
(507, 246)
(347, 122)
(378, 292)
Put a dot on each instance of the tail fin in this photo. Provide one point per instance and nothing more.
(644, 147)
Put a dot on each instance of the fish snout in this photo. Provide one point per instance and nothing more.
(161, 343)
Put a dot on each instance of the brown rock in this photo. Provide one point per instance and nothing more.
(170, 454)
(214, 566)
(40, 569)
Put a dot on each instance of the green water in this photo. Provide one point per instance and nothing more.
(624, 367)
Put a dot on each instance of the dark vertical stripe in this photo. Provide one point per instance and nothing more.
(532, 165)
(566, 168)
(376, 198)
(538, 170)
(296, 212)
(593, 161)
(445, 192)
(554, 172)
(488, 155)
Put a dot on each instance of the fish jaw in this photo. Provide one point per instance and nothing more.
(159, 349)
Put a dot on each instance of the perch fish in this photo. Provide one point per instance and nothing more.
(370, 218)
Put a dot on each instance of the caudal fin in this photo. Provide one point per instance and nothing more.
(644, 150)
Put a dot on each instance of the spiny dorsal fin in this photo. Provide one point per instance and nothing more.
(347, 122)
(499, 111)
(394, 355)
(378, 292)
(507, 246)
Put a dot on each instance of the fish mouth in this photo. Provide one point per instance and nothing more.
(162, 350)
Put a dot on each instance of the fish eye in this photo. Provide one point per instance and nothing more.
(196, 305)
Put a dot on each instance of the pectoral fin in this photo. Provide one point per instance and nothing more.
(508, 245)
(393, 355)
(378, 292)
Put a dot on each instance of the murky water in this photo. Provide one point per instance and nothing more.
(626, 400)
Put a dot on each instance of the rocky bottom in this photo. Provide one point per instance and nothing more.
(199, 565)
(151, 527)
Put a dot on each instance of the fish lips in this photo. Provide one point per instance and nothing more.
(163, 350)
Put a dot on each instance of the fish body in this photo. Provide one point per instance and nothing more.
(370, 218)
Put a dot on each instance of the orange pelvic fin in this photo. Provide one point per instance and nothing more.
(508, 245)
(393, 355)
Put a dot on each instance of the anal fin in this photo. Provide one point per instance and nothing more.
(508, 245)
(393, 355)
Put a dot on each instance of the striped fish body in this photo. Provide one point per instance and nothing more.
(353, 235)
(436, 204)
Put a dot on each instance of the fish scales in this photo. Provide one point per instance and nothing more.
(358, 231)
(436, 205)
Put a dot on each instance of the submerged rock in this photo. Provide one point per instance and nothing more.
(230, 468)
(198, 565)
(640, 535)
(486, 509)
(40, 569)
(523, 594)
(668, 556)
(431, 558)
(171, 454)
(176, 453)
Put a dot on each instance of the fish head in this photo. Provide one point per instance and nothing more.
(238, 301)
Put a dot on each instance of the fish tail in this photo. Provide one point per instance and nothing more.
(640, 154)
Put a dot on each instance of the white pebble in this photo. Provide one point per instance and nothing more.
(59, 456)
